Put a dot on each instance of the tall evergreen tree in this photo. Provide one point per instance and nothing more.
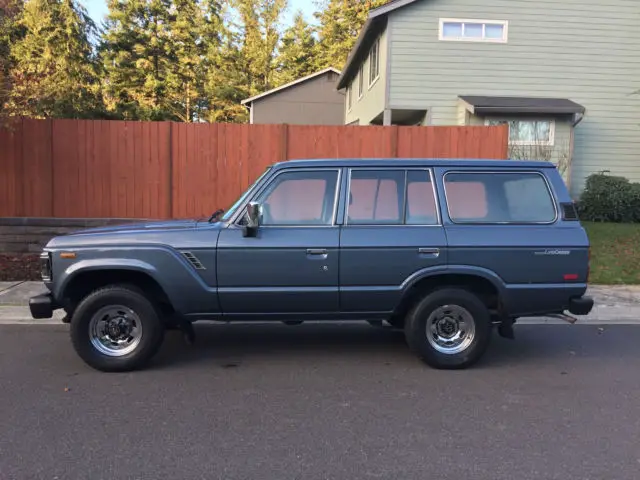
(224, 82)
(340, 22)
(259, 30)
(187, 47)
(53, 69)
(298, 51)
(136, 59)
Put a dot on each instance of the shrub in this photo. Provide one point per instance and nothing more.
(609, 198)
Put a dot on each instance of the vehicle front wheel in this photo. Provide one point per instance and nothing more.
(116, 329)
(449, 328)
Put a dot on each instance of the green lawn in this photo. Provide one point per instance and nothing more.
(615, 253)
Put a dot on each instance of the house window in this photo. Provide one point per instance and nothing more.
(374, 62)
(527, 132)
(349, 97)
(452, 29)
(360, 82)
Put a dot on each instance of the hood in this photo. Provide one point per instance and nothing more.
(141, 227)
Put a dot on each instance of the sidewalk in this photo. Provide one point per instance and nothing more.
(613, 305)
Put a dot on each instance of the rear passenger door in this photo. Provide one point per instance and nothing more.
(391, 230)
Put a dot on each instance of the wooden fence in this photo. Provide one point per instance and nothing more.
(114, 169)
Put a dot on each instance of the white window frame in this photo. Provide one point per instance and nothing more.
(376, 44)
(361, 81)
(483, 39)
(552, 130)
(349, 96)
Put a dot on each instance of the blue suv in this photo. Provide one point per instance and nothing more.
(443, 249)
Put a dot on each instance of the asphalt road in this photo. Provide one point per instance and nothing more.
(324, 402)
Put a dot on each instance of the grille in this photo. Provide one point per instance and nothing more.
(193, 260)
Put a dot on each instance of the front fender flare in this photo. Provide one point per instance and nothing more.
(92, 265)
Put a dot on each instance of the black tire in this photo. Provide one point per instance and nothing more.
(416, 328)
(152, 328)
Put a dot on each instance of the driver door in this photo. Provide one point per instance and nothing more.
(290, 268)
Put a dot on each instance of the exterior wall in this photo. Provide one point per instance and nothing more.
(372, 103)
(314, 102)
(584, 50)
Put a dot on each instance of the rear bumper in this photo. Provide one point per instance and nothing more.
(580, 305)
(42, 306)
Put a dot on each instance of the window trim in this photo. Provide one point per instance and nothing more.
(406, 170)
(552, 130)
(500, 172)
(483, 39)
(361, 81)
(349, 97)
(268, 182)
(376, 44)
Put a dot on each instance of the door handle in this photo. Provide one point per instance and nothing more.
(429, 251)
(316, 251)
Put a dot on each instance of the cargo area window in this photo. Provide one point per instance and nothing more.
(499, 197)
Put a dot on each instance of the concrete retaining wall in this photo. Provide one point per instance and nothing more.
(29, 235)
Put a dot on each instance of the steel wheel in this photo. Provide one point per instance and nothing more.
(115, 330)
(450, 329)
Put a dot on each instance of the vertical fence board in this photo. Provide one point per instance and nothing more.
(36, 168)
(11, 180)
(84, 168)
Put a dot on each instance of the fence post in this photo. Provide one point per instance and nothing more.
(170, 176)
(284, 142)
(52, 166)
(394, 140)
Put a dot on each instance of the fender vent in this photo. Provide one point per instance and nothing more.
(193, 260)
(569, 211)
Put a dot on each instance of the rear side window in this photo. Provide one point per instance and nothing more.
(502, 197)
(376, 197)
(391, 197)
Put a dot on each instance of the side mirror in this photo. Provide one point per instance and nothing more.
(252, 217)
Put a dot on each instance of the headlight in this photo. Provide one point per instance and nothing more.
(45, 266)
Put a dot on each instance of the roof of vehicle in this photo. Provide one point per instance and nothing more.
(414, 162)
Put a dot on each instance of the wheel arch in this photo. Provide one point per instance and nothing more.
(487, 285)
(82, 280)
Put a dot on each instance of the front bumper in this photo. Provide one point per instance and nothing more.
(42, 306)
(580, 305)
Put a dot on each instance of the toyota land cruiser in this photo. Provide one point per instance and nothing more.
(443, 249)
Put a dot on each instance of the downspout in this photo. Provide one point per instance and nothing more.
(576, 120)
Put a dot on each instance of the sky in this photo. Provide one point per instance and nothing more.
(98, 8)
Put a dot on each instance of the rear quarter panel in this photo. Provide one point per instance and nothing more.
(532, 261)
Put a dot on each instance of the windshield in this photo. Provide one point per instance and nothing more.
(243, 197)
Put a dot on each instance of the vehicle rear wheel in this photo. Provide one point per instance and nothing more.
(449, 328)
(116, 329)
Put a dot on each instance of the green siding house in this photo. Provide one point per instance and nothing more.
(562, 74)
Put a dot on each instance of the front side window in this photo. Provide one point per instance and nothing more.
(527, 132)
(360, 81)
(502, 197)
(473, 30)
(300, 198)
